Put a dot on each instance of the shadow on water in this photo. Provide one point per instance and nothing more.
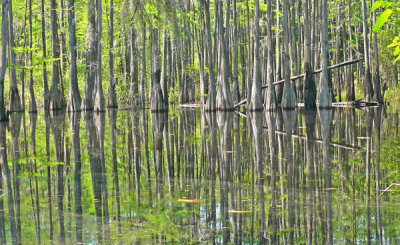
(282, 177)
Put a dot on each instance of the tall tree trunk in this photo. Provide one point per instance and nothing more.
(74, 98)
(143, 75)
(164, 77)
(289, 96)
(270, 101)
(4, 38)
(211, 98)
(368, 89)
(235, 78)
(45, 81)
(278, 71)
(54, 96)
(309, 90)
(87, 103)
(324, 96)
(134, 70)
(338, 55)
(256, 98)
(223, 100)
(350, 93)
(32, 102)
(377, 80)
(14, 101)
(99, 104)
(112, 97)
(156, 95)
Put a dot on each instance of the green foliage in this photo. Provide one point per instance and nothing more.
(390, 9)
(173, 95)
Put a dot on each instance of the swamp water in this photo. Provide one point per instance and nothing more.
(290, 177)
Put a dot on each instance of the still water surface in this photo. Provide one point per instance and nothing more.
(289, 177)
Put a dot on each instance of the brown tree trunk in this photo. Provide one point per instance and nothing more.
(112, 97)
(289, 97)
(211, 98)
(45, 82)
(156, 95)
(270, 101)
(4, 38)
(235, 77)
(223, 100)
(164, 78)
(309, 90)
(74, 98)
(32, 102)
(99, 104)
(324, 96)
(350, 93)
(368, 89)
(256, 98)
(54, 96)
(14, 100)
(377, 80)
(87, 102)
(143, 75)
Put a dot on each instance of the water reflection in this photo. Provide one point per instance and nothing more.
(280, 177)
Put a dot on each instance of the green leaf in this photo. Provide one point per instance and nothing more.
(382, 20)
(376, 5)
(396, 51)
(397, 59)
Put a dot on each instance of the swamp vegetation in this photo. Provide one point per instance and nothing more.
(228, 128)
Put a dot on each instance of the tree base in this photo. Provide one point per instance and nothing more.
(15, 101)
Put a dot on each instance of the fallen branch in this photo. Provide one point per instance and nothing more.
(350, 62)
(390, 186)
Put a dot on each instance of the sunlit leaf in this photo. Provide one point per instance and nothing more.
(382, 20)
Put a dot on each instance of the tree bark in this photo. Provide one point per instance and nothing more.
(223, 100)
(14, 100)
(87, 102)
(256, 98)
(45, 82)
(134, 71)
(235, 77)
(112, 97)
(143, 75)
(289, 96)
(309, 89)
(211, 98)
(32, 102)
(164, 78)
(324, 96)
(54, 96)
(350, 93)
(377, 80)
(270, 101)
(74, 98)
(368, 89)
(99, 104)
(4, 38)
(156, 95)
(278, 70)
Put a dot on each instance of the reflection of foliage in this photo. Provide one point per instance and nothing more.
(169, 221)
